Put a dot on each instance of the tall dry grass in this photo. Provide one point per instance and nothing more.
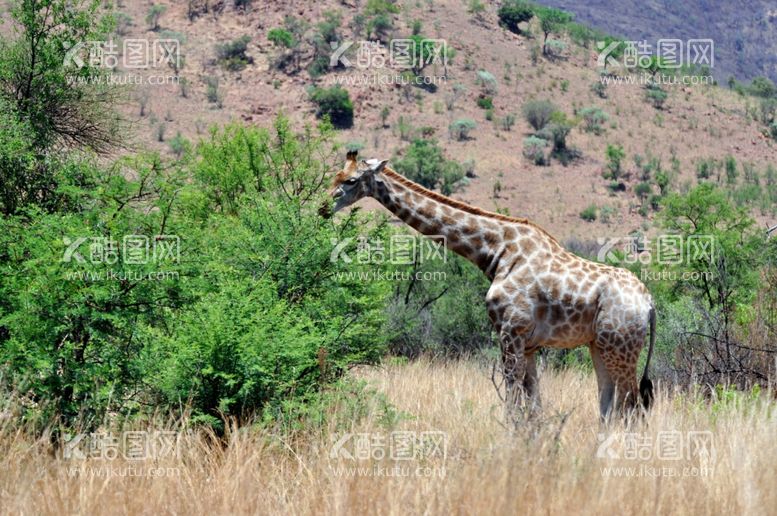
(547, 466)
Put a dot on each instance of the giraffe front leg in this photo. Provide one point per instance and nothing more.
(531, 384)
(513, 367)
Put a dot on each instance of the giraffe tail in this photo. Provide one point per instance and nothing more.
(646, 385)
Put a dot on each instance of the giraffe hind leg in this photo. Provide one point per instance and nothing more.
(605, 384)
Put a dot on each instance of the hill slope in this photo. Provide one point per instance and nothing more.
(697, 122)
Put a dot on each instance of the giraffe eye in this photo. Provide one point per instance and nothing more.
(351, 181)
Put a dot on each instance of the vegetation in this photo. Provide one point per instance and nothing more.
(551, 21)
(155, 12)
(462, 128)
(232, 55)
(334, 103)
(615, 155)
(589, 214)
(594, 119)
(514, 12)
(534, 150)
(538, 113)
(424, 163)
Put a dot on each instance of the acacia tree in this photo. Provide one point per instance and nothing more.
(551, 20)
(51, 100)
(47, 83)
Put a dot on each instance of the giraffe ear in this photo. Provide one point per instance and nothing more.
(377, 166)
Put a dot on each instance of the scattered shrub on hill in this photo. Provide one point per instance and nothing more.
(325, 36)
(538, 113)
(762, 87)
(594, 119)
(507, 122)
(379, 18)
(155, 13)
(589, 214)
(212, 92)
(334, 103)
(656, 96)
(462, 128)
(485, 102)
(514, 12)
(615, 155)
(123, 23)
(534, 150)
(232, 55)
(486, 81)
(600, 89)
(552, 21)
(425, 163)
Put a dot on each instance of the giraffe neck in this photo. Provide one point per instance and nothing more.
(475, 237)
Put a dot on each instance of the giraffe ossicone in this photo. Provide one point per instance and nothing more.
(541, 295)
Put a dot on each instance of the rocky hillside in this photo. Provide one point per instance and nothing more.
(692, 133)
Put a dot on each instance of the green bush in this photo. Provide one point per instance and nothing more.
(486, 81)
(615, 155)
(538, 113)
(281, 37)
(232, 55)
(507, 122)
(589, 214)
(600, 89)
(514, 12)
(460, 129)
(155, 12)
(534, 150)
(334, 103)
(484, 102)
(656, 96)
(594, 119)
(252, 316)
(424, 163)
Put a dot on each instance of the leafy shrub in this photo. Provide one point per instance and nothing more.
(179, 145)
(155, 12)
(507, 122)
(123, 23)
(643, 190)
(762, 87)
(485, 102)
(281, 37)
(551, 21)
(557, 132)
(379, 17)
(334, 103)
(460, 129)
(615, 155)
(594, 119)
(589, 214)
(538, 113)
(212, 92)
(232, 55)
(514, 12)
(600, 89)
(424, 163)
(656, 96)
(534, 150)
(486, 81)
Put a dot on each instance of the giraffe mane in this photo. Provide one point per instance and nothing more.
(453, 203)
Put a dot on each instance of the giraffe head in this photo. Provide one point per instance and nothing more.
(355, 181)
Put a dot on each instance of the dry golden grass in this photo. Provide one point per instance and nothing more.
(544, 466)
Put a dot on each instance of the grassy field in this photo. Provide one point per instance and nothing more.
(470, 463)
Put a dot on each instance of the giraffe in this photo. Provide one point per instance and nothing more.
(541, 295)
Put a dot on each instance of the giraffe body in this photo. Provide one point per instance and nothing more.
(541, 295)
